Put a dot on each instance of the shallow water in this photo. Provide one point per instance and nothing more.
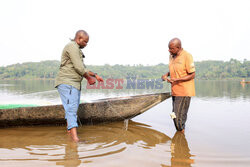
(217, 132)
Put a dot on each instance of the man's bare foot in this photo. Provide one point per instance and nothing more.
(73, 134)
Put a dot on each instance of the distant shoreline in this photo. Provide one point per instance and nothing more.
(205, 70)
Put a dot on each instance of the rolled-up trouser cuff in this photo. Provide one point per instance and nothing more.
(72, 127)
(70, 97)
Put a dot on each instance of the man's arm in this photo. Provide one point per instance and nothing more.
(183, 79)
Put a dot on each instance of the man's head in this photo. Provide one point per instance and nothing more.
(81, 38)
(174, 46)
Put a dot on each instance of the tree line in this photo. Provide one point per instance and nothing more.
(209, 69)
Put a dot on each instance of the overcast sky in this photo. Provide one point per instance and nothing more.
(124, 31)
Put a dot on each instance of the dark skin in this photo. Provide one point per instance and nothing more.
(175, 50)
(82, 39)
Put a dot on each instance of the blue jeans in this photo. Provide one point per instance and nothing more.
(70, 97)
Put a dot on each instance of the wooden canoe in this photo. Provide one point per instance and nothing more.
(103, 110)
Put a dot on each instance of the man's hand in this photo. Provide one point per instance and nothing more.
(99, 79)
(91, 80)
(164, 77)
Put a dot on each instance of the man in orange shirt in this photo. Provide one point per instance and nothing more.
(182, 74)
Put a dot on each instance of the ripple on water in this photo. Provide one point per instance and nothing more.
(52, 144)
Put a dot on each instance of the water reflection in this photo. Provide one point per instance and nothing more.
(26, 86)
(71, 158)
(45, 89)
(116, 142)
(231, 89)
(52, 143)
(243, 85)
(180, 151)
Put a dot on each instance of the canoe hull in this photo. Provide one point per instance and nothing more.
(105, 110)
(115, 109)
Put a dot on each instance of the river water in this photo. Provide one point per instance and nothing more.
(217, 131)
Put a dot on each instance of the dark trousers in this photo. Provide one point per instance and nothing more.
(180, 108)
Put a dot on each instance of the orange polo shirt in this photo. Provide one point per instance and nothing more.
(179, 67)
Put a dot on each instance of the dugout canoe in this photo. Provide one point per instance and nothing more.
(102, 110)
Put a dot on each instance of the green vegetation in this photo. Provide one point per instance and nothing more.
(30, 70)
(204, 70)
(222, 70)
